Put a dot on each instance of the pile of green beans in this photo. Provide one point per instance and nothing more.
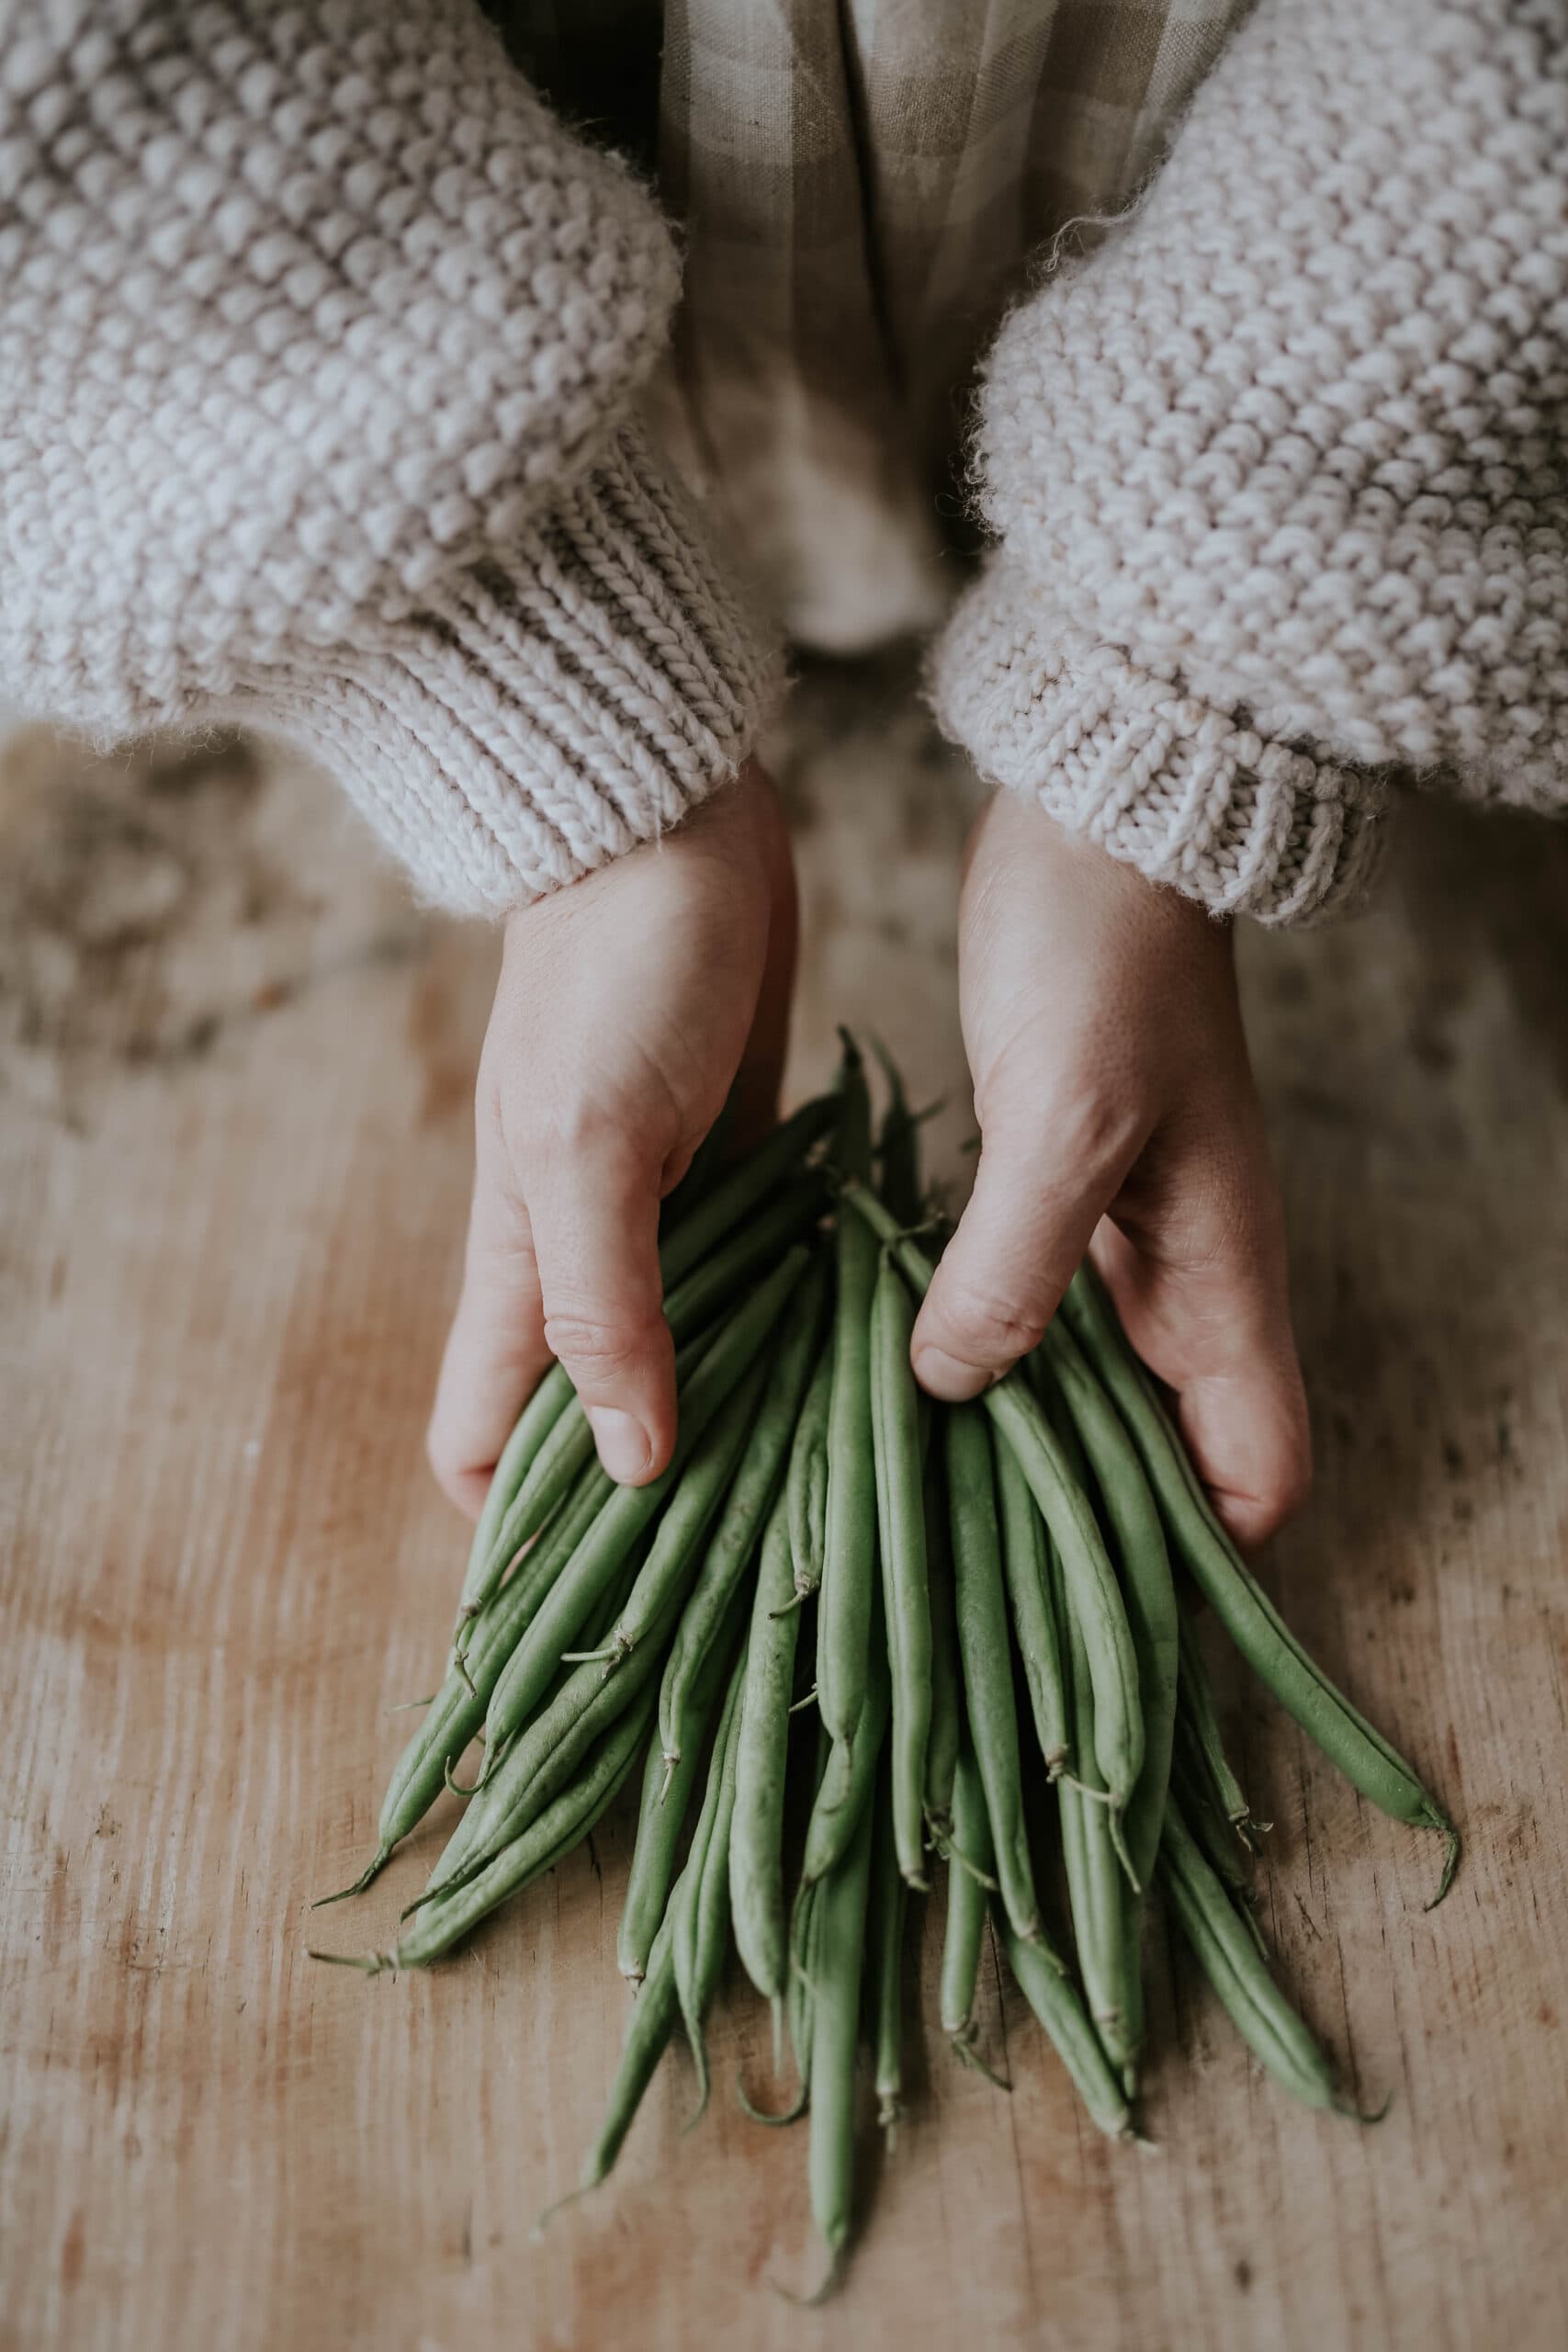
(848, 1636)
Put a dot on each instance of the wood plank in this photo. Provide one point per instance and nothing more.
(235, 1139)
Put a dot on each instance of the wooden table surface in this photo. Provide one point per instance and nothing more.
(234, 1143)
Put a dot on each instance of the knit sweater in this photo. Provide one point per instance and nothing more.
(1279, 476)
(322, 349)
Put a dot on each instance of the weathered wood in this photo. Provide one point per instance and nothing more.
(234, 1144)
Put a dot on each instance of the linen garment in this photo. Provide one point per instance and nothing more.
(358, 367)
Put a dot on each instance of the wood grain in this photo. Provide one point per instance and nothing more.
(235, 1157)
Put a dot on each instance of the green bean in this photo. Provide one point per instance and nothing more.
(1230, 1959)
(515, 1789)
(906, 1594)
(1191, 1790)
(756, 1835)
(688, 1309)
(1107, 1914)
(1195, 1699)
(808, 1479)
(631, 1509)
(549, 1400)
(702, 1915)
(837, 1961)
(1056, 2003)
(1091, 1583)
(849, 1775)
(1254, 1625)
(1139, 1542)
(607, 1674)
(1026, 1567)
(965, 1905)
(888, 1914)
(665, 1797)
(739, 1525)
(562, 1824)
(457, 1709)
(848, 1562)
(734, 1198)
(985, 1655)
(649, 2029)
(899, 1147)
(941, 1748)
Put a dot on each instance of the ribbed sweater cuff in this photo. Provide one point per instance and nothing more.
(547, 709)
(1125, 754)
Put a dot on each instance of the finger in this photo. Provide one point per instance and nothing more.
(594, 1210)
(1045, 1179)
(496, 1349)
(1217, 1329)
(761, 1074)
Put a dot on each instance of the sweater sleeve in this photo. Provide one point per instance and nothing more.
(1279, 477)
(318, 411)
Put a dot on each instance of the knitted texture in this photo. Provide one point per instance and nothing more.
(1281, 476)
(321, 346)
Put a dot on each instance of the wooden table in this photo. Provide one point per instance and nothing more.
(235, 1139)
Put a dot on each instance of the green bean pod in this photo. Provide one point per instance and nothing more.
(1254, 1625)
(838, 1964)
(986, 1653)
(899, 1147)
(1193, 1791)
(665, 1797)
(689, 1308)
(1230, 1958)
(762, 1762)
(605, 1676)
(942, 1748)
(849, 1560)
(552, 1394)
(906, 1592)
(1107, 1914)
(1195, 1700)
(1056, 2003)
(457, 1709)
(1138, 1538)
(702, 1915)
(549, 1838)
(806, 1479)
(965, 1924)
(632, 1508)
(738, 1528)
(1091, 1582)
(849, 1777)
(888, 1914)
(649, 2029)
(1025, 1564)
(737, 1195)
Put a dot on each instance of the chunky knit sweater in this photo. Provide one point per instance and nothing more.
(322, 349)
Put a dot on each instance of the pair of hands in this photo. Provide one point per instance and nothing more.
(1112, 1086)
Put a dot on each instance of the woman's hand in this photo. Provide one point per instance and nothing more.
(626, 1007)
(1115, 1101)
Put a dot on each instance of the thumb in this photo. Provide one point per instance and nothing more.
(1043, 1184)
(595, 1213)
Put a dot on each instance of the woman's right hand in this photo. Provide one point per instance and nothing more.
(628, 1006)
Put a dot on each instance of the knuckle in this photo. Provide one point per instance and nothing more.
(598, 1345)
(994, 1327)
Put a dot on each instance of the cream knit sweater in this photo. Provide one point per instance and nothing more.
(321, 347)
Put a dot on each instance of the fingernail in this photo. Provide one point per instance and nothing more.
(622, 1440)
(942, 1375)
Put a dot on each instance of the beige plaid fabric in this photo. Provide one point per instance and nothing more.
(864, 186)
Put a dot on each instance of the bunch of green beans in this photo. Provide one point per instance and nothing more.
(846, 1636)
